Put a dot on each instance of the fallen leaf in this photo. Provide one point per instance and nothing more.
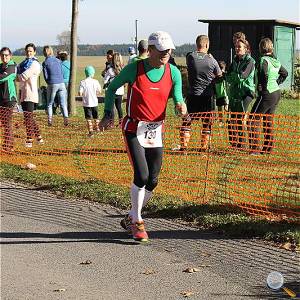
(59, 290)
(148, 272)
(205, 253)
(286, 246)
(196, 270)
(188, 270)
(86, 262)
(187, 294)
(205, 266)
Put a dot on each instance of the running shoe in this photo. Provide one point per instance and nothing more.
(177, 148)
(138, 232)
(255, 153)
(90, 134)
(28, 144)
(40, 140)
(126, 223)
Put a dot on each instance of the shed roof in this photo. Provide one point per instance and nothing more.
(274, 21)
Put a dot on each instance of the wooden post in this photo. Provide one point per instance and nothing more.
(72, 83)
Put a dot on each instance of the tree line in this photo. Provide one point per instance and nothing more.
(100, 50)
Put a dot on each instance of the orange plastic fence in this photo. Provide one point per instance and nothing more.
(250, 161)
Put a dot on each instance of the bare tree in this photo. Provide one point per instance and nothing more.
(71, 93)
(64, 39)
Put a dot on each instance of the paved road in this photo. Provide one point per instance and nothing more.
(44, 240)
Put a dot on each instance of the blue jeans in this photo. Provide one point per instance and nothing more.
(60, 90)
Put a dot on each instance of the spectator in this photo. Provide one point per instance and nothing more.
(53, 75)
(108, 63)
(112, 72)
(202, 70)
(66, 69)
(56, 99)
(89, 89)
(221, 93)
(132, 55)
(270, 74)
(150, 82)
(8, 96)
(28, 73)
(238, 36)
(240, 77)
(143, 50)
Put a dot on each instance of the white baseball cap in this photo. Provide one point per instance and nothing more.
(161, 40)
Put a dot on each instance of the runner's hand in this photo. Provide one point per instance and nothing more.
(181, 109)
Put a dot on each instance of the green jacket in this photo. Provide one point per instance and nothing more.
(240, 78)
(272, 72)
(8, 75)
(220, 88)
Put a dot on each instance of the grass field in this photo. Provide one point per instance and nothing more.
(98, 62)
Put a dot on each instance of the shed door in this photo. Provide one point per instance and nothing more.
(284, 51)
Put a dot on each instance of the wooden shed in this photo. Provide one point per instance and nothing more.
(282, 33)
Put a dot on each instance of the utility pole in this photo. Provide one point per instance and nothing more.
(136, 36)
(72, 82)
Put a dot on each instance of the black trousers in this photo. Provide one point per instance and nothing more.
(146, 162)
(236, 127)
(118, 104)
(265, 104)
(204, 105)
(32, 128)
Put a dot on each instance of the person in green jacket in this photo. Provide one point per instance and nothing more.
(8, 96)
(221, 93)
(270, 74)
(240, 79)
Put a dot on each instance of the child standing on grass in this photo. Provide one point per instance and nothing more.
(89, 89)
(221, 93)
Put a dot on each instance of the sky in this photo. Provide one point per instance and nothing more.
(112, 22)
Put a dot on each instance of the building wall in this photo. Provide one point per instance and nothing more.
(284, 41)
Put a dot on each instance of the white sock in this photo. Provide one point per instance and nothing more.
(137, 198)
(148, 195)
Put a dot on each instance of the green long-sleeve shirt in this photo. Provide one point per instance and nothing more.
(7, 82)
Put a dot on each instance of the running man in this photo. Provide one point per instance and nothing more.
(150, 82)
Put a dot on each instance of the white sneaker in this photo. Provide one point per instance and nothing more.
(177, 148)
(28, 144)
